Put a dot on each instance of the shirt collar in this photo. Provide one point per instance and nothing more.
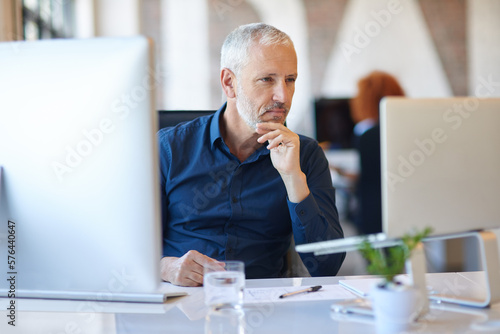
(216, 136)
(214, 125)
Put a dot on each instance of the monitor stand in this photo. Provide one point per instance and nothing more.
(483, 290)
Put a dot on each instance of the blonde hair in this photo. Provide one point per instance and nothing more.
(371, 89)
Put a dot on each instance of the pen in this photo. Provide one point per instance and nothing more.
(311, 289)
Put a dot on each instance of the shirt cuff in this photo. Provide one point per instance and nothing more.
(304, 211)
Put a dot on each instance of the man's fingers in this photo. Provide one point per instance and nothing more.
(270, 126)
(201, 259)
(196, 278)
(198, 261)
(187, 282)
(270, 136)
(277, 141)
(188, 269)
(269, 131)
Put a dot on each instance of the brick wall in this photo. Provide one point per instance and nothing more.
(324, 18)
(446, 20)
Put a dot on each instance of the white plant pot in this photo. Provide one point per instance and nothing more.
(396, 307)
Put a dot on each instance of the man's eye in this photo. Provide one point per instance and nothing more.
(266, 79)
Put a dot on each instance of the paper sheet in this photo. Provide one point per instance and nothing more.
(272, 295)
(360, 287)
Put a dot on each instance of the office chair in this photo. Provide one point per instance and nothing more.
(168, 118)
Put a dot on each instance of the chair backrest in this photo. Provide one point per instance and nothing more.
(168, 118)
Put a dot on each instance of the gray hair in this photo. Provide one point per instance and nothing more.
(236, 47)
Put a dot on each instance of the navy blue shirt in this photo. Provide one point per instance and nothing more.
(232, 210)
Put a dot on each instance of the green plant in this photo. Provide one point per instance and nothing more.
(389, 262)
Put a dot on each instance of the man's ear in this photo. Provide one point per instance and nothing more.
(228, 82)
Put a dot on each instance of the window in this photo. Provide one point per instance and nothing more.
(44, 19)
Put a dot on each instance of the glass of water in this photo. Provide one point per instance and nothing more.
(225, 321)
(223, 284)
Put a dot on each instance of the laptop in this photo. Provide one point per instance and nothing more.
(79, 189)
(439, 169)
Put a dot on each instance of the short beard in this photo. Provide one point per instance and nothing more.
(245, 109)
(248, 111)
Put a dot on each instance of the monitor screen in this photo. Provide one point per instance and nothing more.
(79, 189)
(440, 164)
(334, 123)
(439, 169)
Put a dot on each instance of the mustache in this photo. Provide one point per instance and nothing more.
(275, 105)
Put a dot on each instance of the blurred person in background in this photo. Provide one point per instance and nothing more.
(365, 113)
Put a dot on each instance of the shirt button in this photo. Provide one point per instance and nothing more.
(234, 199)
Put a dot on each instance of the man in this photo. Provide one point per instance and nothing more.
(236, 185)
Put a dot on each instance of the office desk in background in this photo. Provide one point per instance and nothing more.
(348, 161)
(188, 314)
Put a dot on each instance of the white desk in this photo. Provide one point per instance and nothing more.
(187, 315)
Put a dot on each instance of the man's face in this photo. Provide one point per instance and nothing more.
(266, 85)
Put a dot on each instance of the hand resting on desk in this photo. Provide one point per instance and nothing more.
(186, 270)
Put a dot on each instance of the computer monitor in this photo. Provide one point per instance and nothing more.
(334, 123)
(79, 199)
(440, 166)
(440, 169)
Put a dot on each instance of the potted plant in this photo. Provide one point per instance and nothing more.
(396, 305)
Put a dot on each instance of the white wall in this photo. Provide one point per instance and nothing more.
(483, 43)
(117, 17)
(186, 54)
(388, 35)
(85, 26)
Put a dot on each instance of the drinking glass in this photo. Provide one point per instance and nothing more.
(225, 321)
(223, 284)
